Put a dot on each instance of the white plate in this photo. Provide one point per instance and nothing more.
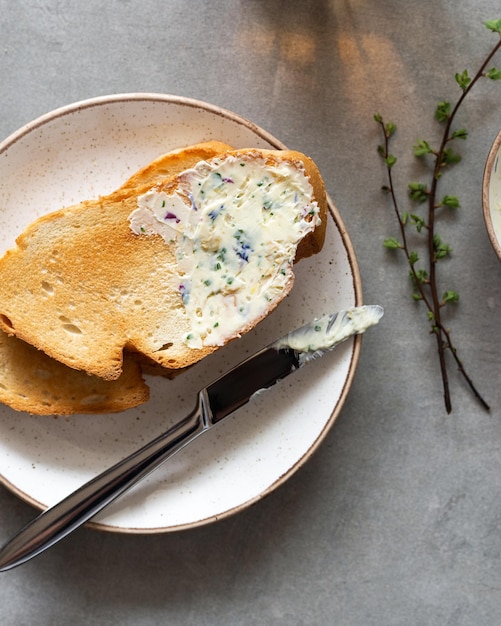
(492, 195)
(90, 148)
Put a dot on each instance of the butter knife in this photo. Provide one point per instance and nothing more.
(222, 397)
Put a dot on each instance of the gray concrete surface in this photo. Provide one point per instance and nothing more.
(396, 520)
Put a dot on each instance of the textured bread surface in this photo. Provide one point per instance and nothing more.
(168, 165)
(33, 382)
(82, 287)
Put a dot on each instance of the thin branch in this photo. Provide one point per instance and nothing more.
(427, 288)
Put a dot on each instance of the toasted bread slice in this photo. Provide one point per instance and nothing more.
(32, 381)
(168, 165)
(84, 288)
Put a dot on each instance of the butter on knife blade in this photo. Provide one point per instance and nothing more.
(229, 392)
(329, 331)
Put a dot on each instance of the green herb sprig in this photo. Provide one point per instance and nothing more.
(423, 271)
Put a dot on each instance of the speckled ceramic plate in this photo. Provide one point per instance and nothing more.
(90, 148)
(492, 195)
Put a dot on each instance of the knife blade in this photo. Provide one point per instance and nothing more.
(214, 402)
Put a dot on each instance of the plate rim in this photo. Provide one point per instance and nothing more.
(153, 97)
(134, 97)
(492, 158)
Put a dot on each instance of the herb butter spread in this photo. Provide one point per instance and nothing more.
(236, 222)
(329, 331)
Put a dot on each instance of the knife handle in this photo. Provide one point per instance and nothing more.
(63, 518)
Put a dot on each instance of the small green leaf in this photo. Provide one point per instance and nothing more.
(450, 297)
(413, 258)
(450, 157)
(441, 249)
(421, 148)
(390, 161)
(442, 111)
(418, 221)
(493, 74)
(462, 133)
(378, 118)
(390, 129)
(417, 296)
(494, 25)
(418, 191)
(450, 201)
(404, 218)
(463, 79)
(422, 276)
(392, 243)
(381, 151)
